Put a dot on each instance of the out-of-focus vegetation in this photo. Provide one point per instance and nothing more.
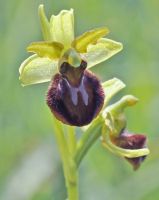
(29, 161)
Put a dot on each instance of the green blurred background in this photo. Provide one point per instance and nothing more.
(30, 168)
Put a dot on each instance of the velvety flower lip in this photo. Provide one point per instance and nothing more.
(128, 140)
(76, 104)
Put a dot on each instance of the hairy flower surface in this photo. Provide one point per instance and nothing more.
(77, 99)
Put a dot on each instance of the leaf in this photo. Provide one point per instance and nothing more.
(50, 50)
(89, 37)
(37, 70)
(101, 51)
(62, 27)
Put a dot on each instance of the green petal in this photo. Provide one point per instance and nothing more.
(104, 49)
(50, 50)
(90, 37)
(37, 70)
(62, 27)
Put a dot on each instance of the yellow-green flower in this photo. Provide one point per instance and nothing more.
(75, 95)
(58, 33)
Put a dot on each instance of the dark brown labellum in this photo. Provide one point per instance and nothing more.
(131, 141)
(75, 95)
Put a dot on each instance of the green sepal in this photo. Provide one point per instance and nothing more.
(101, 51)
(111, 88)
(80, 43)
(45, 25)
(62, 27)
(52, 50)
(37, 70)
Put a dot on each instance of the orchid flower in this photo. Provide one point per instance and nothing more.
(75, 95)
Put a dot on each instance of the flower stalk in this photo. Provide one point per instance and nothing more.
(69, 165)
(87, 140)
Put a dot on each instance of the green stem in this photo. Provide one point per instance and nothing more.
(71, 135)
(87, 140)
(72, 186)
(69, 166)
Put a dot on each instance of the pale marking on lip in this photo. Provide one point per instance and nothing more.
(74, 92)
